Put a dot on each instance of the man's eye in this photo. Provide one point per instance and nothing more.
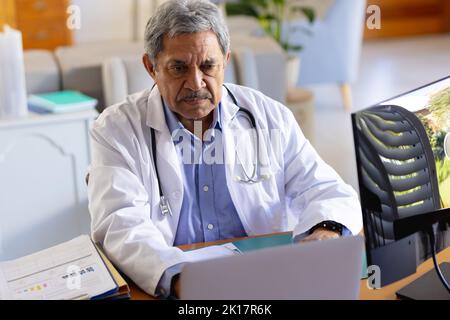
(178, 69)
(208, 68)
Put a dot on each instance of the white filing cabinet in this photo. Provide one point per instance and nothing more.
(43, 196)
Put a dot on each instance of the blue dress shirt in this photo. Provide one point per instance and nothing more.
(207, 212)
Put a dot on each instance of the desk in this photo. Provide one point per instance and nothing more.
(386, 293)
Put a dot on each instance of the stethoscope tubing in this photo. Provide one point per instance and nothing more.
(164, 206)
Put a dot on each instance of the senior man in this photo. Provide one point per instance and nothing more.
(194, 160)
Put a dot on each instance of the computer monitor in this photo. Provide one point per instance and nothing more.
(403, 161)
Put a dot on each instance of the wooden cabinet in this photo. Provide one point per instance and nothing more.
(411, 17)
(42, 22)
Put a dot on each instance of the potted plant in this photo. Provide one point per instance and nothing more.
(274, 16)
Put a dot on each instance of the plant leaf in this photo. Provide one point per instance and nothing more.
(290, 47)
(233, 9)
(309, 12)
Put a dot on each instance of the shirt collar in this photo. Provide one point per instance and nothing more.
(174, 124)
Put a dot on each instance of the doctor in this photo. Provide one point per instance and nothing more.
(194, 160)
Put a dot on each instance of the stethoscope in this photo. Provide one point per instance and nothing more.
(251, 178)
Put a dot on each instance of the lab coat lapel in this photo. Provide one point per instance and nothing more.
(229, 111)
(246, 197)
(169, 167)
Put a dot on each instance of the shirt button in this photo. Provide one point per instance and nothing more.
(206, 188)
(176, 194)
(210, 226)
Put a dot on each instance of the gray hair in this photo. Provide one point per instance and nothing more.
(177, 17)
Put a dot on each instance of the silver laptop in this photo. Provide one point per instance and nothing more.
(329, 269)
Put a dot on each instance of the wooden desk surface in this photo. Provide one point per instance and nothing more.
(386, 293)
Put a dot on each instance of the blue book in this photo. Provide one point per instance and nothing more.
(252, 244)
(61, 102)
(263, 242)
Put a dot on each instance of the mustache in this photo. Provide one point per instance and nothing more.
(201, 94)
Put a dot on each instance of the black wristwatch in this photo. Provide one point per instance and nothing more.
(329, 225)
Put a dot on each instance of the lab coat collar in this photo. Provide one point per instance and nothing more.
(229, 108)
(155, 111)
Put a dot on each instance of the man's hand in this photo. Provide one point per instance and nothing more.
(321, 234)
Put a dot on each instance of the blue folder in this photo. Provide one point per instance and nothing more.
(252, 244)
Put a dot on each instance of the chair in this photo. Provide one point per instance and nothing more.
(331, 54)
(41, 71)
(126, 75)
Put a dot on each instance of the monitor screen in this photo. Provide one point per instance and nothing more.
(431, 105)
(403, 156)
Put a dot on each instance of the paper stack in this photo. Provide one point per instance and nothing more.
(74, 270)
(13, 97)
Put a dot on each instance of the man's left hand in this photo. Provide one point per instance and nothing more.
(322, 234)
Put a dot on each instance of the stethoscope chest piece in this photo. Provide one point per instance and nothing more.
(165, 207)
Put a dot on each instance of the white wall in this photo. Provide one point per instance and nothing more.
(104, 20)
(112, 20)
(145, 10)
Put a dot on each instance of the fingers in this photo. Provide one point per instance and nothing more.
(321, 235)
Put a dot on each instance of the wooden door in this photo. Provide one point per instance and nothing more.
(410, 17)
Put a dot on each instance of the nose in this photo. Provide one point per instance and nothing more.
(194, 80)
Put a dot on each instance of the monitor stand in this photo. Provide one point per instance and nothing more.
(428, 286)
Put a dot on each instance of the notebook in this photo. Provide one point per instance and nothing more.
(74, 270)
(61, 102)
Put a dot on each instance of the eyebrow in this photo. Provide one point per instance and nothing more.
(182, 62)
(175, 61)
(210, 61)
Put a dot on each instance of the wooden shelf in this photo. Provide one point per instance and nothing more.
(401, 18)
(42, 22)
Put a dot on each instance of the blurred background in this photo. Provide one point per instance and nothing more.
(323, 58)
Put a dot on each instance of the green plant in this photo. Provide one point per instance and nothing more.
(274, 15)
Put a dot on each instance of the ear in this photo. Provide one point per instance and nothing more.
(227, 58)
(149, 66)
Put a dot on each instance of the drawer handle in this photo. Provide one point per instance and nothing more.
(40, 5)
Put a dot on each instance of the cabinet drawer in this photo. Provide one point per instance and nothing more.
(399, 5)
(7, 14)
(40, 9)
(48, 34)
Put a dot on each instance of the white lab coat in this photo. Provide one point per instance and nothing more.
(123, 191)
